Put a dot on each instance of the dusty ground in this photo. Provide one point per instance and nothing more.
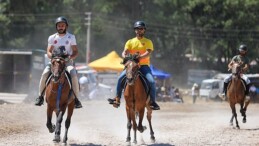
(98, 123)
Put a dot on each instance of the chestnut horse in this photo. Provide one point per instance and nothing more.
(236, 94)
(58, 98)
(136, 99)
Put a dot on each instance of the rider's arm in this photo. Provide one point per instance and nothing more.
(245, 68)
(230, 64)
(75, 52)
(49, 51)
(124, 53)
(147, 53)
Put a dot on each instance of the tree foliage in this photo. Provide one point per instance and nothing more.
(207, 31)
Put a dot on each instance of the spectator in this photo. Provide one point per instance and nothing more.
(178, 96)
(195, 92)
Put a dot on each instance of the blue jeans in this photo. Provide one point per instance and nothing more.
(145, 70)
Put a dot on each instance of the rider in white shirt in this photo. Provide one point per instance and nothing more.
(61, 42)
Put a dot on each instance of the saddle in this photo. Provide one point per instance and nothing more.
(143, 80)
(68, 77)
(243, 83)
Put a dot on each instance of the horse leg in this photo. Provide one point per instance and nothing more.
(235, 115)
(49, 125)
(129, 125)
(68, 121)
(141, 128)
(58, 126)
(243, 110)
(231, 120)
(149, 116)
(134, 126)
(232, 106)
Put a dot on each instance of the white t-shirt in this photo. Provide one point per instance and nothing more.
(195, 91)
(67, 41)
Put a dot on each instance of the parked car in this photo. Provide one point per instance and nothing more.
(210, 88)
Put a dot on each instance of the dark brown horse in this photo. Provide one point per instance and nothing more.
(136, 101)
(58, 98)
(236, 94)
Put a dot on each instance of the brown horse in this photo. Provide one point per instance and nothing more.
(236, 94)
(136, 100)
(58, 98)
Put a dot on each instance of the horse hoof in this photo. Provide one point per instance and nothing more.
(244, 120)
(143, 129)
(135, 141)
(128, 139)
(153, 140)
(52, 129)
(56, 139)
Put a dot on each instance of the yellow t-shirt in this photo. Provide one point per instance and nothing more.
(135, 45)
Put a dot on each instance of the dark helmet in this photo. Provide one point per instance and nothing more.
(139, 24)
(243, 48)
(61, 19)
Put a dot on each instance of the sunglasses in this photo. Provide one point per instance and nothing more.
(139, 28)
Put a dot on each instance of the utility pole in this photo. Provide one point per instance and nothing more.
(88, 24)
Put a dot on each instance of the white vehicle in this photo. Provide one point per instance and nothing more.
(210, 88)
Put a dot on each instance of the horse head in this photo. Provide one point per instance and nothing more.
(132, 67)
(58, 65)
(236, 69)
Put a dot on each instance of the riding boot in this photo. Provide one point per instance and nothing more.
(78, 103)
(75, 87)
(39, 101)
(153, 104)
(111, 100)
(247, 89)
(225, 86)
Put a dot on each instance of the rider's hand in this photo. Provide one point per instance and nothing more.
(67, 58)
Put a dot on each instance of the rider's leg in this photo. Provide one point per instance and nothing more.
(116, 101)
(225, 85)
(247, 82)
(39, 100)
(145, 70)
(75, 85)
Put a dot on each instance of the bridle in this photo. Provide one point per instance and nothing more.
(236, 70)
(132, 69)
(57, 68)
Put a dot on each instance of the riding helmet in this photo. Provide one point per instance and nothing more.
(139, 24)
(61, 19)
(243, 48)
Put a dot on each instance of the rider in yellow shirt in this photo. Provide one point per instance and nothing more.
(144, 46)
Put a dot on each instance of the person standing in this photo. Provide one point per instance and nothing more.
(195, 92)
(145, 47)
(65, 42)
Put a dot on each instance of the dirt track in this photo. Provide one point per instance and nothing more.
(204, 123)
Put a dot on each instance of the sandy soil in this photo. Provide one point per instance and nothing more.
(98, 123)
